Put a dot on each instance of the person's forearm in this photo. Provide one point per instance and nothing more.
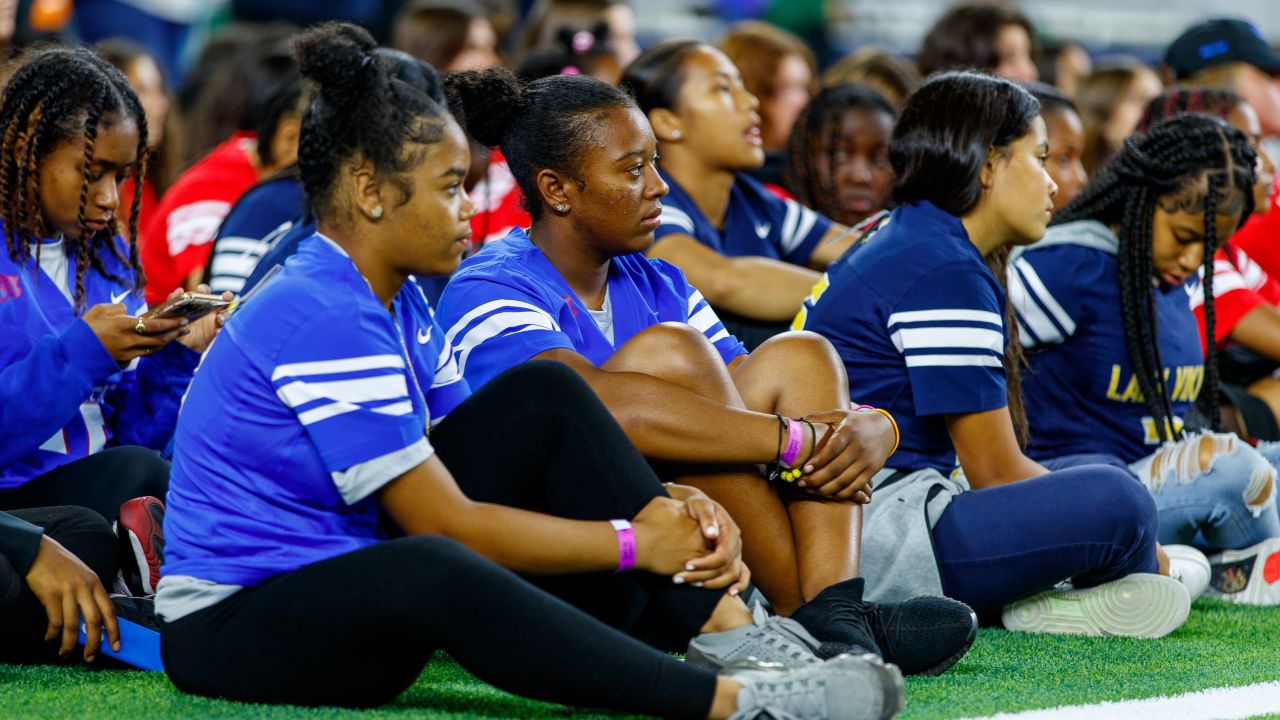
(1012, 470)
(536, 544)
(760, 288)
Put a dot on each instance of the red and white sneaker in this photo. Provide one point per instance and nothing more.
(141, 533)
(1250, 576)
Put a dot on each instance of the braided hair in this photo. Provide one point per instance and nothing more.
(1191, 163)
(811, 158)
(372, 103)
(1219, 102)
(60, 95)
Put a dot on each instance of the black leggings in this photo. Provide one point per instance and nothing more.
(357, 629)
(85, 534)
(100, 482)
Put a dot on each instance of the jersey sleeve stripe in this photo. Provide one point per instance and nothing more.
(943, 360)
(1026, 275)
(721, 335)
(789, 222)
(1031, 315)
(695, 298)
(490, 307)
(1026, 336)
(497, 324)
(808, 219)
(946, 315)
(360, 481)
(704, 319)
(943, 337)
(330, 367)
(675, 216)
(361, 390)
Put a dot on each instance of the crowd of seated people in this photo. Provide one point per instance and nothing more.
(527, 336)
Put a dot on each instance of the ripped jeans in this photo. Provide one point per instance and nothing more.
(1227, 504)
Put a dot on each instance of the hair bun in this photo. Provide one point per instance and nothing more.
(489, 101)
(339, 58)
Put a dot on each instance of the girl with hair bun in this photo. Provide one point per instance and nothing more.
(331, 425)
(1115, 359)
(578, 289)
(919, 317)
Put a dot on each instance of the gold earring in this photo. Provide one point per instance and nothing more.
(376, 212)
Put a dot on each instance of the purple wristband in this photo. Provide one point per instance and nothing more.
(626, 544)
(795, 440)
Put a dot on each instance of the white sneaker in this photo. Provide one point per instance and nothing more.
(1139, 605)
(1190, 567)
(1250, 576)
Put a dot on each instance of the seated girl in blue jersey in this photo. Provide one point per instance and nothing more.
(921, 324)
(323, 408)
(577, 289)
(88, 391)
(751, 253)
(1115, 356)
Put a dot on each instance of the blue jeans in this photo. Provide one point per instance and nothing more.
(1088, 523)
(1217, 508)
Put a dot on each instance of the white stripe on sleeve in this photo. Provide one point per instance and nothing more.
(807, 220)
(953, 361)
(1036, 288)
(358, 390)
(946, 315)
(330, 367)
(676, 216)
(524, 317)
(948, 337)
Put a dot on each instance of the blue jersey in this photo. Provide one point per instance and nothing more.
(508, 303)
(255, 223)
(756, 223)
(312, 398)
(1079, 390)
(62, 396)
(919, 321)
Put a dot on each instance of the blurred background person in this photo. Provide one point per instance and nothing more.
(987, 35)
(450, 35)
(876, 68)
(1111, 101)
(1065, 132)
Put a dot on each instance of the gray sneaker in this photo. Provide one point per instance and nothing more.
(846, 687)
(774, 643)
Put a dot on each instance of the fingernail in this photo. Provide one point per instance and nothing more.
(733, 591)
(116, 646)
(800, 484)
(677, 580)
(808, 468)
(697, 584)
(713, 531)
(688, 566)
(185, 322)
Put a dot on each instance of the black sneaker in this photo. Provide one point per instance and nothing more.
(922, 636)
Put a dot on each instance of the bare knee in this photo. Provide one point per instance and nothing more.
(674, 352)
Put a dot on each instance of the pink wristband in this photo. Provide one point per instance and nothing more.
(864, 408)
(626, 544)
(795, 440)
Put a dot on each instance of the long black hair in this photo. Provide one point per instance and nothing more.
(60, 94)
(1192, 163)
(546, 124)
(941, 142)
(369, 103)
(811, 167)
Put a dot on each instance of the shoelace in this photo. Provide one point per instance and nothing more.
(777, 637)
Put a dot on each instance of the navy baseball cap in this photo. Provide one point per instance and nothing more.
(1218, 41)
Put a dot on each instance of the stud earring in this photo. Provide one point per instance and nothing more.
(675, 134)
(376, 212)
(562, 208)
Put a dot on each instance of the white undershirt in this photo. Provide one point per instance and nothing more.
(604, 317)
(53, 261)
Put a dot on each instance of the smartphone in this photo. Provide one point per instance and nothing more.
(139, 645)
(191, 306)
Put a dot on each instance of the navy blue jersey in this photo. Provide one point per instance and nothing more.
(1079, 390)
(311, 398)
(508, 303)
(255, 223)
(919, 321)
(756, 223)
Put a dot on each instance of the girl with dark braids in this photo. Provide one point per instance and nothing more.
(838, 154)
(1114, 353)
(920, 320)
(88, 391)
(1246, 295)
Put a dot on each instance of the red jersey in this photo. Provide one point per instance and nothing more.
(497, 201)
(1260, 236)
(1239, 285)
(177, 239)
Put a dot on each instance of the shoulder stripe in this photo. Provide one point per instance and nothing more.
(967, 338)
(946, 315)
(808, 218)
(330, 367)
(953, 361)
(1026, 274)
(695, 298)
(489, 307)
(360, 390)
(676, 216)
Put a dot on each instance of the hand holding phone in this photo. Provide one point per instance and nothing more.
(191, 305)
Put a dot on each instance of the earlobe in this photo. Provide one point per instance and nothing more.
(666, 125)
(986, 177)
(552, 190)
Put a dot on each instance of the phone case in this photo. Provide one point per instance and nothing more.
(139, 646)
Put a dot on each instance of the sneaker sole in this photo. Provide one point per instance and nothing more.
(1140, 605)
(876, 672)
(945, 665)
(1258, 567)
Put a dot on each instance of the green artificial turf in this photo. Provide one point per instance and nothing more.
(1220, 645)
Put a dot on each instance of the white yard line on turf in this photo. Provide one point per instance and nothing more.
(1217, 704)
